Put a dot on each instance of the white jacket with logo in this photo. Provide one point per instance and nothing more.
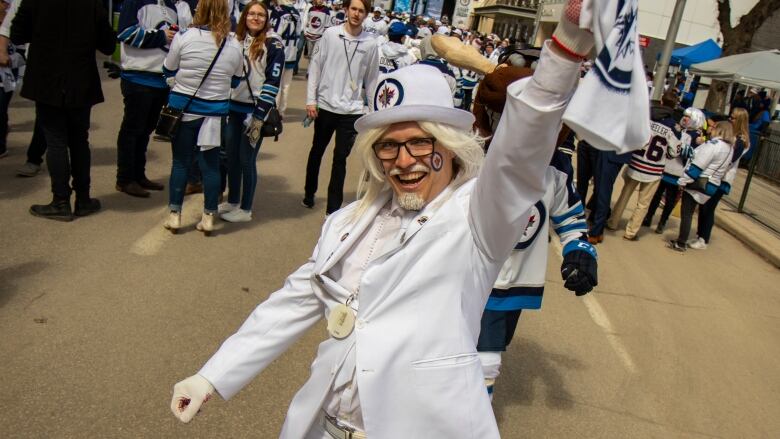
(421, 300)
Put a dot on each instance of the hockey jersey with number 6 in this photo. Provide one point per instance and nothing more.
(520, 283)
(647, 164)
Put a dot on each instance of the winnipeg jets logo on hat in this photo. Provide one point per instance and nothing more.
(390, 93)
(614, 63)
(315, 22)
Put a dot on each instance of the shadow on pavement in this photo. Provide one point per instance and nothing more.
(8, 289)
(526, 366)
(294, 115)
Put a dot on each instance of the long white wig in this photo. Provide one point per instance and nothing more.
(467, 147)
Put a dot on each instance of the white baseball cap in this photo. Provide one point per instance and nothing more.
(413, 93)
(378, 9)
(444, 30)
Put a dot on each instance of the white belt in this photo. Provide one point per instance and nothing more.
(338, 431)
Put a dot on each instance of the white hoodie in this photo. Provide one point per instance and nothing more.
(337, 57)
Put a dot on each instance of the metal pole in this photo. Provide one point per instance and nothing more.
(727, 101)
(751, 171)
(666, 54)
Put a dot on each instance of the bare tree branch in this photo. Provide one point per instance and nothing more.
(724, 15)
(751, 21)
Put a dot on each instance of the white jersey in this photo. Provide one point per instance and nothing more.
(142, 25)
(393, 56)
(520, 283)
(286, 22)
(711, 159)
(647, 164)
(317, 20)
(340, 68)
(337, 17)
(375, 27)
(190, 55)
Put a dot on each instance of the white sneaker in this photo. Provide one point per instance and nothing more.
(226, 207)
(173, 223)
(237, 216)
(206, 224)
(699, 244)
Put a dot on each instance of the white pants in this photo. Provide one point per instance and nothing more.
(284, 90)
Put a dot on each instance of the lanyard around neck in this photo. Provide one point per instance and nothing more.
(350, 58)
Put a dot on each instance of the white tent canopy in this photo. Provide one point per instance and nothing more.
(759, 69)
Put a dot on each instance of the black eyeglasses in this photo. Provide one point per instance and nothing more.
(419, 147)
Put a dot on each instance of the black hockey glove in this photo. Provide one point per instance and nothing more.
(580, 267)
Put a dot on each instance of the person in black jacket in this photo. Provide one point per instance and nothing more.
(62, 78)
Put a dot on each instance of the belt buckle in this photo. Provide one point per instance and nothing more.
(348, 431)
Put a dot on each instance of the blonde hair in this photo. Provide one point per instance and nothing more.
(214, 14)
(467, 147)
(741, 128)
(725, 131)
(257, 47)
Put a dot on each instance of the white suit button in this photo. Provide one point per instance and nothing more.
(360, 323)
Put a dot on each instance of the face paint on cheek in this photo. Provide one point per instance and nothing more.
(436, 161)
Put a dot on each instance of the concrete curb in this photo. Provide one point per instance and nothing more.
(762, 241)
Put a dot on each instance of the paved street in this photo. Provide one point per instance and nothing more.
(101, 316)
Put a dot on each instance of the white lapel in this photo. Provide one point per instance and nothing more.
(419, 220)
(349, 234)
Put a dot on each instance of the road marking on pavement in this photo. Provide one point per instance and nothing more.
(152, 241)
(600, 318)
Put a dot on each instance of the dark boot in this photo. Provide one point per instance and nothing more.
(57, 210)
(150, 185)
(86, 206)
(133, 189)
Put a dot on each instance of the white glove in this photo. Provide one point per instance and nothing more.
(189, 395)
(569, 34)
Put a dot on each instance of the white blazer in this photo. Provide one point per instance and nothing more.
(421, 299)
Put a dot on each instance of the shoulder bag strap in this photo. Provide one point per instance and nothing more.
(206, 75)
(249, 85)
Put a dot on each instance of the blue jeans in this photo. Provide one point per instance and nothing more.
(241, 162)
(185, 147)
(608, 167)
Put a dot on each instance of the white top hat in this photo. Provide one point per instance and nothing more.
(413, 93)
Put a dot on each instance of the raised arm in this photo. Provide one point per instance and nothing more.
(512, 177)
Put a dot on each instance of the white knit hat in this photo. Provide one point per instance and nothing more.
(413, 93)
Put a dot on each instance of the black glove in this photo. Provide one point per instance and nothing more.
(114, 71)
(580, 270)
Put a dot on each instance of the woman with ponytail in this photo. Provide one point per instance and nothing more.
(204, 61)
(250, 101)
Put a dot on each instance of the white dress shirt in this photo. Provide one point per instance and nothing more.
(343, 402)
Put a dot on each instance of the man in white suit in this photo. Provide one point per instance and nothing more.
(402, 275)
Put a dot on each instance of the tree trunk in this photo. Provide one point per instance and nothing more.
(737, 40)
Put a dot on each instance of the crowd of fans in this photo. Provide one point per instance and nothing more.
(164, 65)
